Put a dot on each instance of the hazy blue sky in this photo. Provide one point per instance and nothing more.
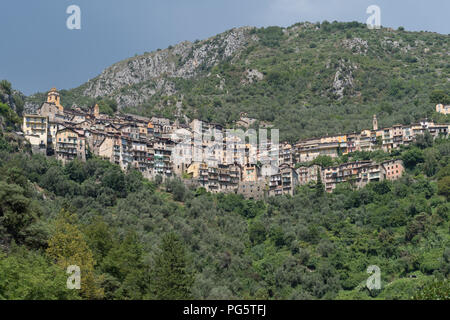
(38, 52)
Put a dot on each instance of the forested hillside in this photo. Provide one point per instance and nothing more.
(307, 79)
(136, 239)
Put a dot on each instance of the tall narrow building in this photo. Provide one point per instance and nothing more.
(96, 111)
(53, 97)
(375, 122)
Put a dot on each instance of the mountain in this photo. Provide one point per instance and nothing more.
(306, 79)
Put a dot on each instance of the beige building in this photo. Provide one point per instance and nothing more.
(106, 148)
(70, 144)
(309, 150)
(308, 174)
(283, 182)
(440, 108)
(346, 172)
(35, 129)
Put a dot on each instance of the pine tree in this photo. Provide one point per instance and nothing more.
(171, 280)
(68, 247)
(319, 185)
(126, 273)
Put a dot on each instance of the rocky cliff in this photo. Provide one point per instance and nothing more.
(134, 80)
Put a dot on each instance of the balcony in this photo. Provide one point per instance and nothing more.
(67, 151)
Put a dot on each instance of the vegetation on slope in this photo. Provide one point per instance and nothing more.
(136, 239)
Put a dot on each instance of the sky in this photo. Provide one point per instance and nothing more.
(38, 51)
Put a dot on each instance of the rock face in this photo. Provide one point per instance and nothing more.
(343, 78)
(8, 99)
(356, 45)
(140, 77)
(31, 107)
(252, 75)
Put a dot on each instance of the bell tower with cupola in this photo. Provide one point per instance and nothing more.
(53, 97)
(375, 122)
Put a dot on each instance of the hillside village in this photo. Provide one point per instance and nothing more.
(158, 147)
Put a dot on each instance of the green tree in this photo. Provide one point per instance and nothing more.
(28, 275)
(434, 290)
(323, 161)
(5, 86)
(127, 276)
(439, 96)
(68, 247)
(444, 186)
(257, 232)
(320, 188)
(412, 157)
(15, 210)
(431, 164)
(171, 279)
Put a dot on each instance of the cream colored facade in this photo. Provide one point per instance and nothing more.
(105, 150)
(70, 145)
(440, 108)
(35, 129)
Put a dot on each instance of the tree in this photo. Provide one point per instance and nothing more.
(257, 232)
(108, 106)
(158, 179)
(431, 164)
(15, 211)
(115, 179)
(177, 188)
(76, 170)
(28, 275)
(412, 157)
(68, 247)
(416, 226)
(99, 237)
(424, 140)
(127, 276)
(171, 279)
(323, 161)
(11, 117)
(5, 86)
(435, 290)
(320, 188)
(444, 186)
(439, 96)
